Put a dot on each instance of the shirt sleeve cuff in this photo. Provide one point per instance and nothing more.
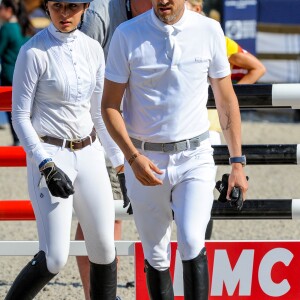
(117, 160)
(220, 74)
(116, 78)
(38, 155)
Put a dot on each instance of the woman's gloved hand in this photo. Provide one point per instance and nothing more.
(59, 184)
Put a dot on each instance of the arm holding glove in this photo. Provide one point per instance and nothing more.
(59, 184)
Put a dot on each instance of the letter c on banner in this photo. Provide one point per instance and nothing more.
(264, 273)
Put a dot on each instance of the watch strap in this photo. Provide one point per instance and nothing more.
(238, 159)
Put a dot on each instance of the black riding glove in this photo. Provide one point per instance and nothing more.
(126, 200)
(59, 184)
(236, 194)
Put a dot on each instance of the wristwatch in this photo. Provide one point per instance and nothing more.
(238, 159)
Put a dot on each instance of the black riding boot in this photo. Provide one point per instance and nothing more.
(209, 229)
(31, 279)
(103, 281)
(195, 277)
(159, 283)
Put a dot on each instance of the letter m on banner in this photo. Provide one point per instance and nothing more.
(224, 274)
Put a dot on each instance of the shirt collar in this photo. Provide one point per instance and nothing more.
(178, 26)
(63, 37)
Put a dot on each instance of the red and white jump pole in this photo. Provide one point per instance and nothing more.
(277, 95)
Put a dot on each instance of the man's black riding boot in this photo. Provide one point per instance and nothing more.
(159, 283)
(31, 279)
(195, 277)
(103, 281)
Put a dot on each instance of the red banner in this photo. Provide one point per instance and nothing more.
(238, 270)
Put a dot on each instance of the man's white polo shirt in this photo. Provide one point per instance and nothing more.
(167, 69)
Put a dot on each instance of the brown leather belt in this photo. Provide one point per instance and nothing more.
(71, 144)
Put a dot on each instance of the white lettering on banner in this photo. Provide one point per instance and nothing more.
(241, 273)
(240, 29)
(240, 4)
(264, 273)
(239, 269)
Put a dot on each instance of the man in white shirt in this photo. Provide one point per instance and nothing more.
(163, 60)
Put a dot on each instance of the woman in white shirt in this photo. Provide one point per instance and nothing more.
(57, 90)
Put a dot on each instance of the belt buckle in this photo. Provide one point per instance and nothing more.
(73, 142)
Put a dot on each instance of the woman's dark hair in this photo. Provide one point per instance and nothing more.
(19, 10)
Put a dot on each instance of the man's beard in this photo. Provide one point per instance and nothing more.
(167, 19)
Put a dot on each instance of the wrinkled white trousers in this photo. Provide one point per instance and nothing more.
(93, 204)
(188, 182)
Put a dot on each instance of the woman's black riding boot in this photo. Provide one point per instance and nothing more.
(103, 281)
(31, 279)
(195, 277)
(159, 283)
(209, 229)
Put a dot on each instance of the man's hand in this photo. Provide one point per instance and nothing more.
(237, 178)
(126, 200)
(59, 184)
(144, 170)
(236, 195)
